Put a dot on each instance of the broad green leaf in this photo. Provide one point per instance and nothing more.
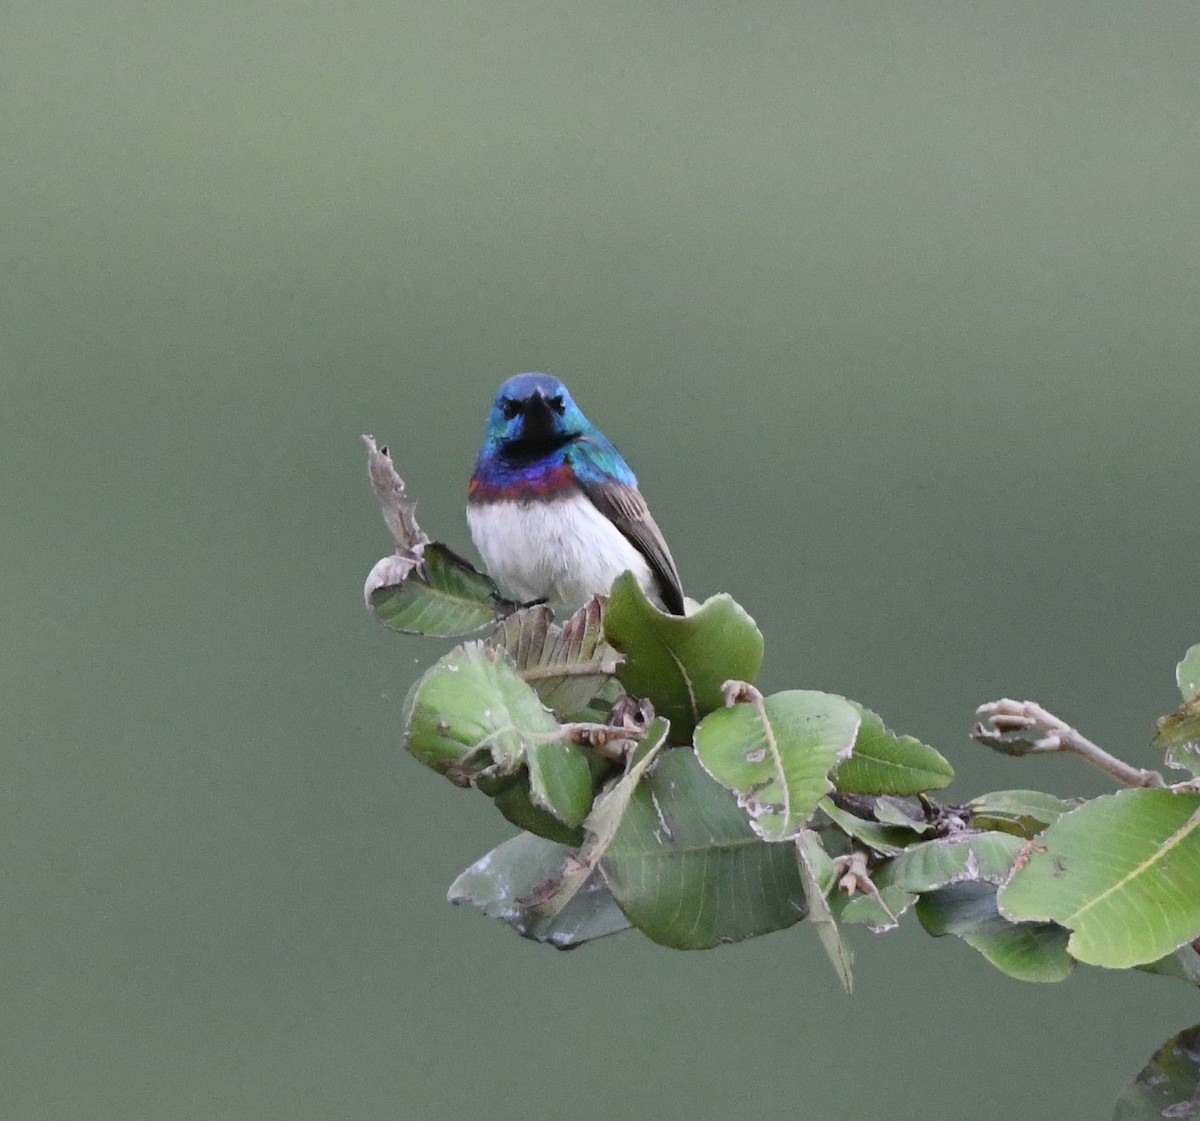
(581, 871)
(679, 664)
(816, 870)
(906, 812)
(877, 914)
(1122, 872)
(560, 780)
(1183, 964)
(438, 593)
(1027, 951)
(1023, 813)
(1168, 1086)
(887, 840)
(884, 763)
(517, 883)
(472, 715)
(688, 870)
(512, 797)
(967, 856)
(1187, 674)
(775, 753)
(514, 801)
(567, 665)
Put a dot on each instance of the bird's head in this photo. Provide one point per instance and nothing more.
(533, 415)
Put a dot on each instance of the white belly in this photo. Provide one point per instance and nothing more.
(563, 549)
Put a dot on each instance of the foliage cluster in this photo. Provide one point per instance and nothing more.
(656, 788)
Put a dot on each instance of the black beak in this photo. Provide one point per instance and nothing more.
(538, 423)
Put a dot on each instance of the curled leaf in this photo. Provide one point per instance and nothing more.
(567, 665)
(424, 587)
(519, 882)
(471, 717)
(680, 663)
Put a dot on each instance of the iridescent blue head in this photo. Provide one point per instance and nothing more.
(539, 443)
(533, 415)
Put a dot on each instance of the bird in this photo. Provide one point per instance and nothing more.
(555, 511)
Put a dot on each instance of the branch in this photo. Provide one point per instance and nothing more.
(1024, 727)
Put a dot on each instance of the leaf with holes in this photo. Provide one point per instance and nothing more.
(959, 858)
(471, 716)
(775, 753)
(1122, 872)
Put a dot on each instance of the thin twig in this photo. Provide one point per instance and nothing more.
(1024, 727)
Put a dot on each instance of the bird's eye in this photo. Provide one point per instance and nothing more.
(509, 408)
(557, 403)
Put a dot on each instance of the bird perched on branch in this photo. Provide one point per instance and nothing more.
(553, 508)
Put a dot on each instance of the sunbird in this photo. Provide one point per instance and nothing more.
(554, 510)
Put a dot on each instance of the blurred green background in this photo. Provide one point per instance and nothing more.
(894, 310)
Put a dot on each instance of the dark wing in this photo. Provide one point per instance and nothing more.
(627, 510)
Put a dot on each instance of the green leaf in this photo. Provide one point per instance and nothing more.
(422, 588)
(580, 872)
(567, 665)
(688, 870)
(775, 754)
(517, 882)
(438, 594)
(560, 781)
(472, 716)
(679, 664)
(1023, 813)
(1183, 965)
(1122, 872)
(1168, 1086)
(966, 856)
(609, 811)
(472, 709)
(878, 914)
(1027, 951)
(906, 812)
(816, 870)
(884, 763)
(1187, 674)
(887, 840)
(1178, 737)
(514, 801)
